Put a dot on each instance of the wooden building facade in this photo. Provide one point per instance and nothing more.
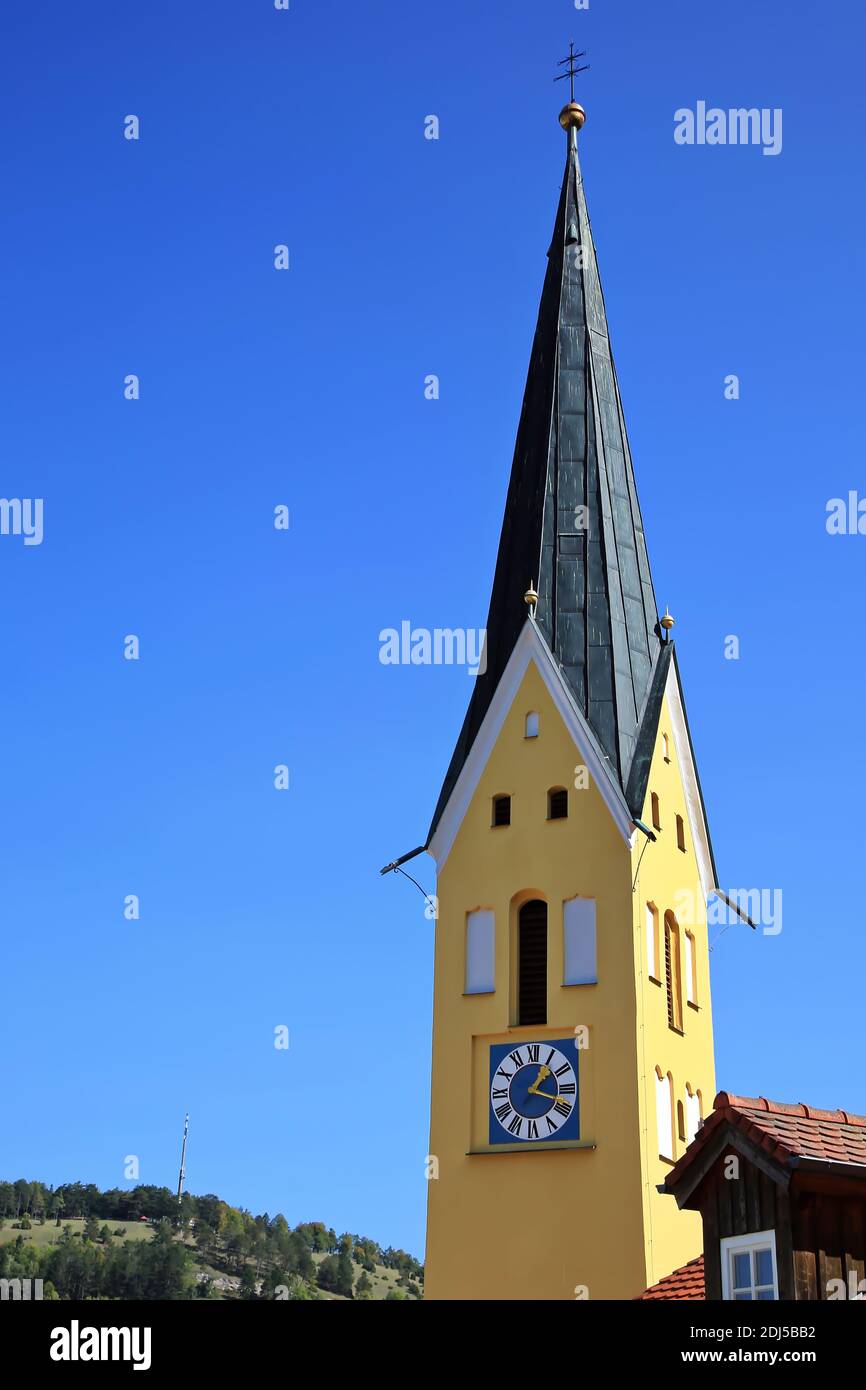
(781, 1190)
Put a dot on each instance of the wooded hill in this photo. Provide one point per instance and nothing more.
(137, 1244)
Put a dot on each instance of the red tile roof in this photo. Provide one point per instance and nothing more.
(686, 1284)
(786, 1133)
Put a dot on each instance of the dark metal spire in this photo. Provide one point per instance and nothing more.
(572, 528)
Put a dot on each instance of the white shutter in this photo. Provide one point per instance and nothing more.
(690, 969)
(693, 1115)
(480, 952)
(578, 917)
(664, 1116)
(652, 963)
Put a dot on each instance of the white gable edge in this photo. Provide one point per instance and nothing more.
(688, 771)
(530, 646)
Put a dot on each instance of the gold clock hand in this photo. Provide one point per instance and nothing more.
(543, 1074)
(534, 1091)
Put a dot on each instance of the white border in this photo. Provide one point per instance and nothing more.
(530, 646)
(727, 1244)
(700, 837)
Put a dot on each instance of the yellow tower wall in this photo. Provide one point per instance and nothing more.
(668, 877)
(548, 1223)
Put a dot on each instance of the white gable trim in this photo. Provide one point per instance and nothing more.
(688, 771)
(530, 646)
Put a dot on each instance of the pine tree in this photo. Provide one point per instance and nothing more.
(345, 1274)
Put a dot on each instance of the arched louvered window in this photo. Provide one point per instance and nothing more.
(557, 803)
(673, 974)
(532, 963)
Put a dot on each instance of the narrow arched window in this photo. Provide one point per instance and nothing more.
(532, 724)
(664, 1114)
(557, 803)
(691, 971)
(652, 943)
(681, 834)
(673, 978)
(656, 813)
(502, 810)
(693, 1112)
(681, 1121)
(532, 963)
(670, 1080)
(666, 748)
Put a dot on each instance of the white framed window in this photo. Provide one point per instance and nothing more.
(532, 724)
(579, 955)
(749, 1272)
(480, 952)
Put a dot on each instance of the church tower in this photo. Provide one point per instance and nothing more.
(572, 1030)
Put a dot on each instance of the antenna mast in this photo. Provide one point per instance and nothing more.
(182, 1174)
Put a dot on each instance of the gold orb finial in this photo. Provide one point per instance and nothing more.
(667, 621)
(530, 598)
(572, 116)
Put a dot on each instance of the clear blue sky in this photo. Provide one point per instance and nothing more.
(408, 257)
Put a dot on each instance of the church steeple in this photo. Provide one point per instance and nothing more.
(571, 999)
(572, 528)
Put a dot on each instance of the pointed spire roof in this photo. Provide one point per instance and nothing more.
(572, 528)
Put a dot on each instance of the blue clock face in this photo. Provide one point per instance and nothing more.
(534, 1092)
